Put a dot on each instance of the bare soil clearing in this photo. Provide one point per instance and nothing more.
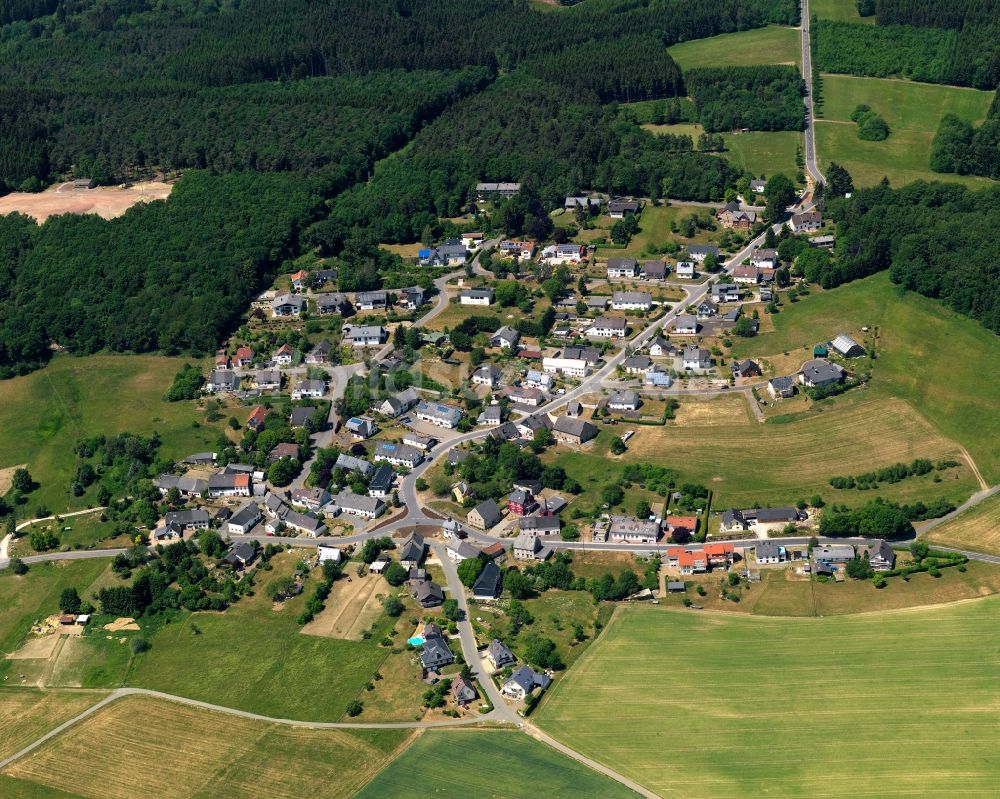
(105, 201)
(351, 608)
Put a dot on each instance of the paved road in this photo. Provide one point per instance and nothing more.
(812, 167)
(8, 539)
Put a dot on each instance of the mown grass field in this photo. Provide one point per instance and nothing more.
(913, 111)
(917, 337)
(839, 11)
(771, 45)
(745, 462)
(487, 763)
(655, 227)
(85, 532)
(27, 714)
(42, 416)
(759, 152)
(715, 705)
(139, 746)
(977, 529)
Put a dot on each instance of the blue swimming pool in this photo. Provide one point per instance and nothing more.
(415, 641)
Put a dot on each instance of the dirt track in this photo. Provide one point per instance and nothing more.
(105, 201)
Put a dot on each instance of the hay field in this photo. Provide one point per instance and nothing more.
(771, 45)
(27, 714)
(742, 460)
(105, 201)
(717, 705)
(352, 607)
(188, 753)
(462, 764)
(977, 529)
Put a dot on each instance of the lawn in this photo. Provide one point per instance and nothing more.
(913, 111)
(655, 227)
(758, 152)
(458, 764)
(916, 339)
(771, 45)
(77, 532)
(714, 442)
(44, 414)
(187, 752)
(976, 529)
(745, 706)
(838, 11)
(27, 714)
(455, 313)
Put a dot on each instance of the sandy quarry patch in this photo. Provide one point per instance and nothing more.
(124, 623)
(7, 477)
(105, 201)
(351, 608)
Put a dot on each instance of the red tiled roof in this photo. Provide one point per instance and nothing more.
(241, 481)
(718, 549)
(685, 522)
(258, 415)
(302, 274)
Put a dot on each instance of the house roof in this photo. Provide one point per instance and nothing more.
(685, 321)
(489, 511)
(489, 581)
(353, 464)
(578, 428)
(352, 501)
(529, 679)
(624, 398)
(541, 524)
(631, 298)
(500, 653)
(622, 263)
(245, 515)
(818, 370)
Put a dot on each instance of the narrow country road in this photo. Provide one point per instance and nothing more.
(9, 538)
(812, 165)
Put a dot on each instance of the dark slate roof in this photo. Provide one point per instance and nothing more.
(489, 581)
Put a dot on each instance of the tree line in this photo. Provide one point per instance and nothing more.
(757, 97)
(967, 150)
(938, 239)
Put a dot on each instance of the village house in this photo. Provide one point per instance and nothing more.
(320, 354)
(435, 654)
(283, 450)
(781, 387)
(361, 427)
(564, 253)
(256, 419)
(439, 414)
(358, 505)
(631, 301)
(735, 218)
(311, 389)
(491, 416)
(623, 267)
(243, 357)
(521, 502)
(881, 556)
(653, 270)
(222, 380)
(195, 519)
(682, 525)
(310, 497)
(267, 379)
(573, 362)
(371, 300)
(284, 355)
(572, 203)
(350, 463)
(459, 550)
(573, 431)
(706, 309)
(187, 486)
(764, 258)
(397, 404)
(637, 365)
(382, 481)
(685, 270)
(746, 368)
(529, 425)
(490, 191)
(526, 395)
(485, 515)
(517, 249)
(769, 551)
(721, 554)
(241, 555)
(452, 253)
(365, 335)
(629, 530)
(482, 296)
(596, 302)
(499, 655)
(412, 550)
(472, 241)
(505, 338)
(245, 519)
(696, 358)
(685, 325)
(698, 252)
(726, 292)
(463, 691)
(397, 454)
(524, 682)
(825, 242)
(488, 584)
(746, 275)
(757, 186)
(806, 222)
(288, 305)
(419, 441)
(229, 484)
(530, 547)
(659, 347)
(411, 297)
(818, 373)
(657, 377)
(686, 561)
(619, 209)
(486, 375)
(608, 327)
(624, 401)
(833, 553)
(540, 525)
(332, 303)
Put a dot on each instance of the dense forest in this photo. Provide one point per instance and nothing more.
(956, 14)
(938, 239)
(966, 57)
(960, 147)
(759, 98)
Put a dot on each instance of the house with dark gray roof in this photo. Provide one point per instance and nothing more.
(499, 654)
(412, 550)
(488, 584)
(428, 593)
(245, 519)
(523, 682)
(382, 481)
(624, 401)
(240, 555)
(436, 654)
(817, 373)
(352, 464)
(573, 431)
(485, 515)
(194, 519)
(781, 387)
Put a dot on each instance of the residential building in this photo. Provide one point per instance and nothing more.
(526, 395)
(187, 486)
(505, 338)
(719, 554)
(421, 442)
(757, 186)
(486, 375)
(659, 347)
(686, 525)
(311, 389)
(624, 401)
(524, 682)
(463, 691)
(706, 309)
(619, 209)
(485, 515)
(245, 519)
(472, 241)
(540, 525)
(881, 556)
(397, 404)
(847, 347)
(326, 552)
(222, 380)
(769, 551)
(229, 484)
(623, 267)
(448, 254)
(499, 655)
(491, 416)
(781, 387)
(564, 253)
(653, 270)
(686, 325)
(658, 378)
(240, 555)
(833, 553)
(685, 270)
(195, 519)
(745, 368)
(631, 301)
(732, 216)
(726, 292)
(823, 242)
(573, 431)
(696, 358)
(398, 454)
(529, 425)
(764, 258)
(412, 550)
(358, 505)
(382, 481)
(806, 222)
(435, 654)
(439, 414)
(572, 203)
(698, 252)
(687, 561)
(305, 523)
(320, 354)
(746, 275)
(488, 584)
(530, 547)
(818, 373)
(332, 303)
(243, 357)
(637, 364)
(459, 550)
(412, 297)
(517, 249)
(490, 191)
(288, 305)
(521, 502)
(608, 327)
(596, 302)
(311, 497)
(629, 530)
(268, 379)
(361, 427)
(476, 296)
(732, 521)
(365, 335)
(351, 464)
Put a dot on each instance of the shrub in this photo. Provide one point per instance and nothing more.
(354, 708)
(138, 645)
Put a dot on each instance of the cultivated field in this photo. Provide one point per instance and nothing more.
(916, 339)
(913, 111)
(352, 607)
(976, 529)
(701, 704)
(26, 715)
(771, 45)
(189, 753)
(743, 461)
(486, 763)
(759, 152)
(44, 414)
(105, 201)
